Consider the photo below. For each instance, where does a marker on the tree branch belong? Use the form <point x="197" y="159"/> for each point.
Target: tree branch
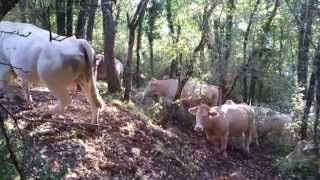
<point x="12" y="155"/>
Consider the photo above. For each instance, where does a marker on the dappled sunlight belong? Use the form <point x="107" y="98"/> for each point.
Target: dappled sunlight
<point x="128" y="129"/>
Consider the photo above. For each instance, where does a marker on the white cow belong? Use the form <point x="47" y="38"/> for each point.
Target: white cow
<point x="56" y="64"/>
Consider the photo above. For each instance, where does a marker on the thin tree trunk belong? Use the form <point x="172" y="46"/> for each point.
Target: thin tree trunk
<point x="310" y="97"/>
<point x="132" y="25"/>
<point x="175" y="34"/>
<point x="304" y="34"/>
<point x="246" y="37"/>
<point x="91" y="18"/>
<point x="227" y="47"/>
<point x="262" y="44"/>
<point x="23" y="7"/>
<point x="138" y="47"/>
<point x="153" y="12"/>
<point x="127" y="70"/>
<point x="109" y="40"/>
<point x="69" y="25"/>
<point x="150" y="40"/>
<point x="61" y="17"/>
<point x="281" y="49"/>
<point x="80" y="32"/>
<point x="317" y="104"/>
<point x="31" y="8"/>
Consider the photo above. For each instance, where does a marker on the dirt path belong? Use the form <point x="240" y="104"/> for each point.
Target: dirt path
<point x="126" y="148"/>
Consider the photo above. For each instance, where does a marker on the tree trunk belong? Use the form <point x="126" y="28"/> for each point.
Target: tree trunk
<point x="80" y="32"/>
<point x="245" y="41"/>
<point x="310" y="97"/>
<point x="23" y="7"/>
<point x="138" y="47"/>
<point x="91" y="18"/>
<point x="317" y="107"/>
<point x="153" y="12"/>
<point x="218" y="46"/>
<point x="150" y="40"/>
<point x="127" y="70"/>
<point x="61" y="17"/>
<point x="260" y="51"/>
<point x="109" y="39"/>
<point x="316" y="122"/>
<point x="304" y="34"/>
<point x="222" y="73"/>
<point x="132" y="25"/>
<point x="6" y="6"/>
<point x="69" y="25"/>
<point x="175" y="31"/>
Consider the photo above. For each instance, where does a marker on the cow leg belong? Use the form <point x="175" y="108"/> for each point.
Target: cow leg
<point x="243" y="141"/>
<point x="248" y="141"/>
<point x="93" y="98"/>
<point x="27" y="94"/>
<point x="224" y="142"/>
<point x="215" y="142"/>
<point x="61" y="93"/>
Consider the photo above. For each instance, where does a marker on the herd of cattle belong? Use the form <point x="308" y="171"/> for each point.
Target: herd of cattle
<point x="219" y="122"/>
<point x="27" y="53"/>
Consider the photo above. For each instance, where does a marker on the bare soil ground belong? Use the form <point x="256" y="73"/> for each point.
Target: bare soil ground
<point x="126" y="147"/>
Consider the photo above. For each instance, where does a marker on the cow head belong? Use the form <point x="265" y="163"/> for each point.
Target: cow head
<point x="151" y="88"/>
<point x="202" y="113"/>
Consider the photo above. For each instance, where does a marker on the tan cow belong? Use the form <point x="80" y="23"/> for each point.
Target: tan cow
<point x="101" y="71"/>
<point x="220" y="122"/>
<point x="166" y="89"/>
<point x="192" y="93"/>
<point x="195" y="91"/>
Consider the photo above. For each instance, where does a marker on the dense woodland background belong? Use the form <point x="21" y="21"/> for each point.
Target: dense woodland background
<point x="262" y="52"/>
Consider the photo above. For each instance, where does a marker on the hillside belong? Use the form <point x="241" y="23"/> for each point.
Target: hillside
<point x="126" y="146"/>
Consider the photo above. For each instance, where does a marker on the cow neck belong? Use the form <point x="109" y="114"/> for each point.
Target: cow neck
<point x="213" y="125"/>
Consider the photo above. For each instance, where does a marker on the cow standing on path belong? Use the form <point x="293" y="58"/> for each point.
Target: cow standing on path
<point x="56" y="64"/>
<point x="221" y="122"/>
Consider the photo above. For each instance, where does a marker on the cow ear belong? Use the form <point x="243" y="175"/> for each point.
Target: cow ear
<point x="193" y="110"/>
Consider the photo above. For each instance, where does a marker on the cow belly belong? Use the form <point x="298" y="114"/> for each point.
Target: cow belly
<point x="238" y="127"/>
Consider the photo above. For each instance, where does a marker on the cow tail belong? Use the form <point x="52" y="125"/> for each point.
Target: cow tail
<point x="90" y="74"/>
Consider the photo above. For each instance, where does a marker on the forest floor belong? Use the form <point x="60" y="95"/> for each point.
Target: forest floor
<point x="126" y="147"/>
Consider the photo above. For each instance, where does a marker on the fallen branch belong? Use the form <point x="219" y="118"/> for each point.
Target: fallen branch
<point x="12" y="155"/>
<point x="13" y="117"/>
<point x="64" y="123"/>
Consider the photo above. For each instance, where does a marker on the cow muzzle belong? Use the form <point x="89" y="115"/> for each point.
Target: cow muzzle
<point x="198" y="128"/>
